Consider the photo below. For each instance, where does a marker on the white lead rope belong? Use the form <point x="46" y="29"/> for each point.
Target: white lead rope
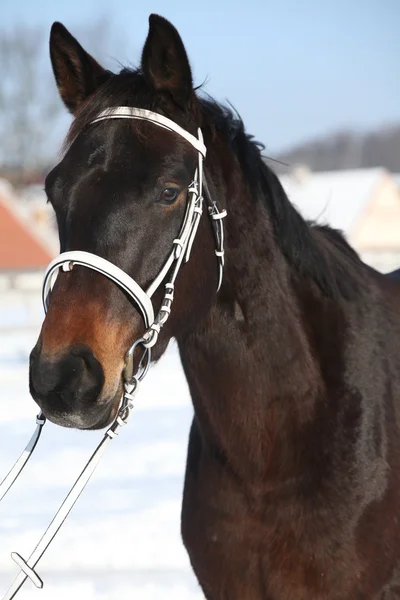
<point x="13" y="474"/>
<point x="28" y="566"/>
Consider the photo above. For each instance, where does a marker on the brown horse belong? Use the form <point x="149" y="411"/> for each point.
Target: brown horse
<point x="292" y="488"/>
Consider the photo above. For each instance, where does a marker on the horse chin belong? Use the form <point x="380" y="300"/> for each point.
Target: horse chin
<point x="77" y="420"/>
<point x="106" y="419"/>
<point x="98" y="417"/>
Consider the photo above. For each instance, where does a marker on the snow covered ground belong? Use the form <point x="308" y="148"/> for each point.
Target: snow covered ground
<point x="122" y="538"/>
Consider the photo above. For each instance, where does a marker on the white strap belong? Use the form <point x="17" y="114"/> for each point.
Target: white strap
<point x="28" y="566"/>
<point x="158" y="280"/>
<point x="12" y="475"/>
<point x="128" y="112"/>
<point x="23" y="565"/>
<point x="106" y="268"/>
<point x="199" y="207"/>
<point x="179" y="242"/>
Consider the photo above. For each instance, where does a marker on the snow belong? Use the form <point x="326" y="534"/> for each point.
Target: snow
<point x="122" y="538"/>
<point x="337" y="198"/>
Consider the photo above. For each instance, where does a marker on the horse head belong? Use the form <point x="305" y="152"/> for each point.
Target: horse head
<point x="120" y="193"/>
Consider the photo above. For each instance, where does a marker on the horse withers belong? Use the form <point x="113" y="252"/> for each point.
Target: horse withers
<point x="292" y="486"/>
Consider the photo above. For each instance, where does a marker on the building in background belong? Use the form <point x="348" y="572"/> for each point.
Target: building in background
<point x="363" y="203"/>
<point x="28" y="243"/>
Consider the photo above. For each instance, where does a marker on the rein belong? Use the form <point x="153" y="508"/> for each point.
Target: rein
<point x="66" y="261"/>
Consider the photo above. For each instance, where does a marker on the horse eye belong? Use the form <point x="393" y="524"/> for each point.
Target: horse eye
<point x="168" y="195"/>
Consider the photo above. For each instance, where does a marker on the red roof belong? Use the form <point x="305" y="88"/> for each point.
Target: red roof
<point x="19" y="248"/>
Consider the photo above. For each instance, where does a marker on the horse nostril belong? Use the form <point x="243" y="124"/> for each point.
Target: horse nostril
<point x="91" y="370"/>
<point x="67" y="381"/>
<point x="90" y="362"/>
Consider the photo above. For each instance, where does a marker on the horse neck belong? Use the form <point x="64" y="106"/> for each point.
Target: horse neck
<point x="248" y="363"/>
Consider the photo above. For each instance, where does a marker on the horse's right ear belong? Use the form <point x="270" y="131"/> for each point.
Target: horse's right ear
<point x="77" y="73"/>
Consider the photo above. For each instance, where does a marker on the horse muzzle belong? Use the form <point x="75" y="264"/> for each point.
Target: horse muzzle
<point x="68" y="387"/>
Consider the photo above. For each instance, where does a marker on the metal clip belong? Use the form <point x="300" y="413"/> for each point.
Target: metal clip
<point x="128" y="369"/>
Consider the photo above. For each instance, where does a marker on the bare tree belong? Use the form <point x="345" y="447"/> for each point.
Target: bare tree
<point x="32" y="117"/>
<point x="26" y="107"/>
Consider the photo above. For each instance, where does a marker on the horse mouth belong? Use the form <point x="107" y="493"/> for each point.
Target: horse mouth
<point x="104" y="421"/>
<point x="111" y="412"/>
<point x="111" y="409"/>
<point x="98" y="416"/>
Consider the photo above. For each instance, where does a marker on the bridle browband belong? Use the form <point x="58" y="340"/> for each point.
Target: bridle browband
<point x="142" y="300"/>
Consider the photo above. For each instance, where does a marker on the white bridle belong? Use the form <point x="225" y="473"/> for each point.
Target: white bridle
<point x="142" y="299"/>
<point x="182" y="245"/>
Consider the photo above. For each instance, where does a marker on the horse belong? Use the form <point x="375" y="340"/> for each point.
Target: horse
<point x="292" y="482"/>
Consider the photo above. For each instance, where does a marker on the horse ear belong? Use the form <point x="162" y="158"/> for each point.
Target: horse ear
<point x="165" y="64"/>
<point x="77" y="74"/>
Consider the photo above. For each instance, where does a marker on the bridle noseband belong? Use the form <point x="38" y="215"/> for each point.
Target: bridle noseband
<point x="142" y="300"/>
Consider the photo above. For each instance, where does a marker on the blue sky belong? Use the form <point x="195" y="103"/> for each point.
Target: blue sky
<point x="294" y="69"/>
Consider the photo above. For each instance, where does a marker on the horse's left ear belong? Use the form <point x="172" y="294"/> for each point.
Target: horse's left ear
<point x="165" y="64"/>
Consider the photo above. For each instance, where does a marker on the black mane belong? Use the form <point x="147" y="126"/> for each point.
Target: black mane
<point x="314" y="251"/>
